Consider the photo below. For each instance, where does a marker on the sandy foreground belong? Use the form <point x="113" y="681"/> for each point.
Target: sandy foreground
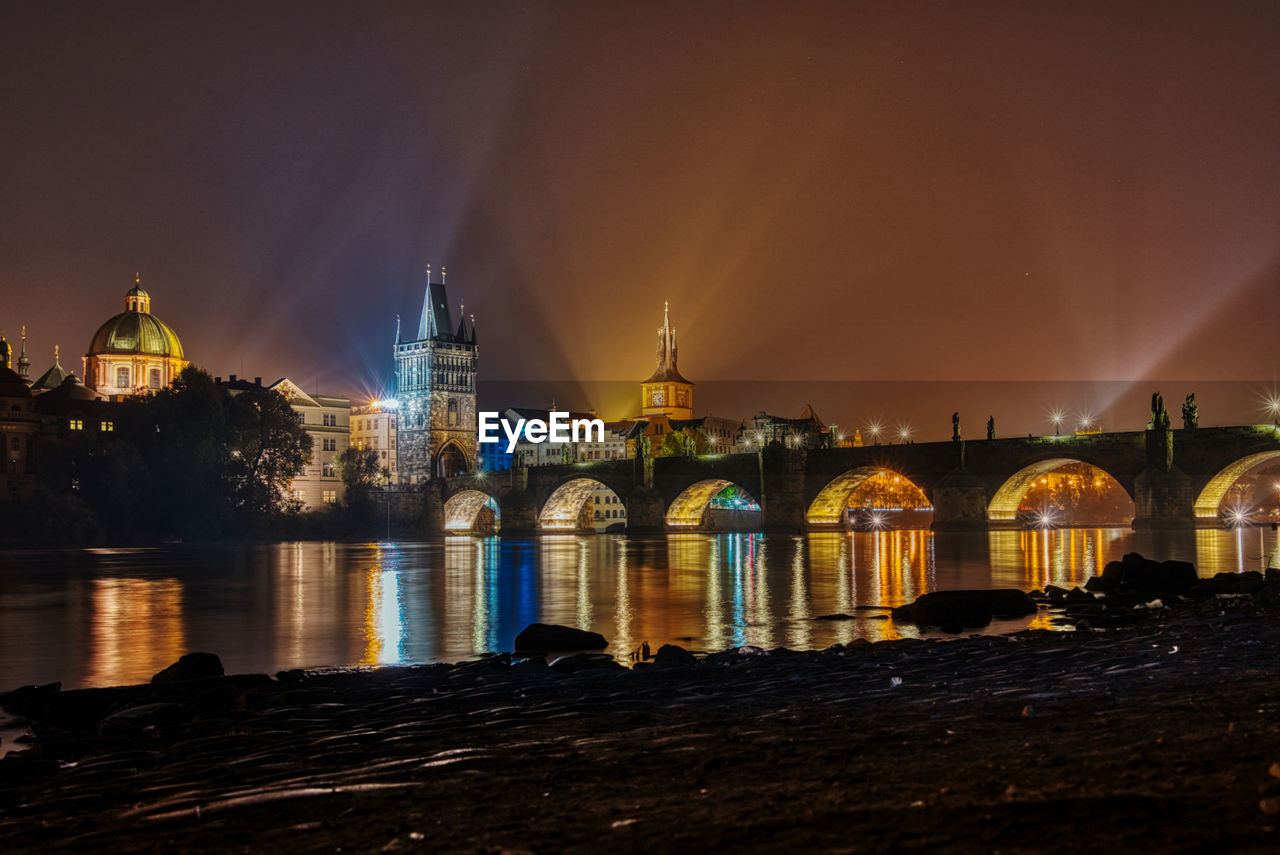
<point x="1157" y="733"/>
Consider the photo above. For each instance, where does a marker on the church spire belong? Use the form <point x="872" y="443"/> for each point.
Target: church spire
<point x="24" y="364"/>
<point x="397" y="328"/>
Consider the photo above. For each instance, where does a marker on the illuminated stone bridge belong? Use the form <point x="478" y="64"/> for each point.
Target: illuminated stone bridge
<point x="1176" y="479"/>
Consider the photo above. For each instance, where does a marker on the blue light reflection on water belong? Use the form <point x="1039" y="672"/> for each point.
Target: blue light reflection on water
<point x="110" y="616"/>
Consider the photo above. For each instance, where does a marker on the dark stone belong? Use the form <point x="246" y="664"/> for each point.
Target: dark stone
<point x="672" y="655"/>
<point x="965" y="608"/>
<point x="836" y="616"/>
<point x="1248" y="582"/>
<point x="193" y="666"/>
<point x="135" y="720"/>
<point x="586" y="662"/>
<point x="30" y="701"/>
<point x="1054" y="593"/>
<point x="550" y="636"/>
<point x="1135" y="574"/>
<point x="1075" y="595"/>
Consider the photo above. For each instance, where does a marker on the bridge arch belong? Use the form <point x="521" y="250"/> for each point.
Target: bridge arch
<point x="1004" y="504"/>
<point x="1210" y="498"/>
<point x="688" y="509"/>
<point x="570" y="506"/>
<point x="828" y="508"/>
<point x="466" y="511"/>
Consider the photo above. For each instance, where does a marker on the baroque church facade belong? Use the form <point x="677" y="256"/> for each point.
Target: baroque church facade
<point x="436" y="392"/>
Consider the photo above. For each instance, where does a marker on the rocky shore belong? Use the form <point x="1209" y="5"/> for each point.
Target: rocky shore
<point x="1156" y="728"/>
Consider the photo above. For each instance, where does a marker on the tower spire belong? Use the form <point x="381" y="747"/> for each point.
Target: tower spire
<point x="425" y="330"/>
<point x="24" y="364"/>
<point x="397" y="328"/>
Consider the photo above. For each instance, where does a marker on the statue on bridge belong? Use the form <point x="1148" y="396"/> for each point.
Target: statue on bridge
<point x="1190" y="412"/>
<point x="1159" y="415"/>
<point x="991" y="427"/>
<point x="955" y="426"/>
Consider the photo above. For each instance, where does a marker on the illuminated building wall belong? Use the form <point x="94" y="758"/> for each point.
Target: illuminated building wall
<point x="374" y="426"/>
<point x="325" y="418"/>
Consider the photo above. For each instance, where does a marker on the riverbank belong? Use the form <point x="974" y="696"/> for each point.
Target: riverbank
<point x="1158" y="735"/>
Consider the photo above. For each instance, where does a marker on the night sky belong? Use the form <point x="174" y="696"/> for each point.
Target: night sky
<point x="848" y="191"/>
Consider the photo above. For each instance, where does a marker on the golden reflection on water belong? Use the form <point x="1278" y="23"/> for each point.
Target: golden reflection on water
<point x="137" y="629"/>
<point x="309" y="604"/>
<point x="383" y="622"/>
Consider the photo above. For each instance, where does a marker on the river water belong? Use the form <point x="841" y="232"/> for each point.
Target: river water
<point x="103" y="617"/>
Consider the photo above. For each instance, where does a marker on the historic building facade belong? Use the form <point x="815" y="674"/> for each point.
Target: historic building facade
<point x="436" y="393"/>
<point x="325" y="419"/>
<point x="134" y="353"/>
<point x="374" y="426"/>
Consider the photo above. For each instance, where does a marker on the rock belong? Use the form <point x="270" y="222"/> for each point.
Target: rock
<point x="586" y="662"/>
<point x="550" y="636"/>
<point x="1135" y="574"/>
<point x="672" y="655"/>
<point x="1075" y="595"/>
<point x="965" y="608"/>
<point x="836" y="616"/>
<point x="193" y="666"/>
<point x="1248" y="583"/>
<point x="135" y="720"/>
<point x="30" y="701"/>
<point x="1084" y="626"/>
<point x="1054" y="593"/>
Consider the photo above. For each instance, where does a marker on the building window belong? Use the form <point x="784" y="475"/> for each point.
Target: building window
<point x="327" y="471"/>
<point x="122" y="377"/>
<point x="453" y="412"/>
<point x="153" y="378"/>
<point x="106" y="427"/>
<point x="330" y="445"/>
<point x="76" y="424"/>
<point x="330" y="496"/>
<point x="15" y="445"/>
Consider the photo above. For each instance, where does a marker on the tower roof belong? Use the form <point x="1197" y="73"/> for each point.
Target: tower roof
<point x="436" y="322"/>
<point x="666" y="370"/>
<point x="52" y="378"/>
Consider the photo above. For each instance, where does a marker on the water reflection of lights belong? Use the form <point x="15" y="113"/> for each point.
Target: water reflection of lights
<point x="137" y="629"/>
<point x="800" y="635"/>
<point x="384" y="625"/>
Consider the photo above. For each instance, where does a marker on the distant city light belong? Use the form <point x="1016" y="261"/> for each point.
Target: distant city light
<point x="874" y="429"/>
<point x="904" y="432"/>
<point x="385" y="404"/>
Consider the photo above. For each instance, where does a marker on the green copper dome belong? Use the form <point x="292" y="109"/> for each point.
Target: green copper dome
<point x="136" y="331"/>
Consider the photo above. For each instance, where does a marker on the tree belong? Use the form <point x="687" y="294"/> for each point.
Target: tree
<point x="269" y="449"/>
<point x="361" y="470"/>
<point x="678" y="444"/>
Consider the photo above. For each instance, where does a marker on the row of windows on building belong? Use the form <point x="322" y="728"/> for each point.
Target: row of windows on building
<point x="611" y="514"/>
<point x="78" y="424"/>
<point x="124" y="378"/>
<point x="610" y="499"/>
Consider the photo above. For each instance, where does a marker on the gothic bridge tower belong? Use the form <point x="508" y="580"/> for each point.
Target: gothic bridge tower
<point x="436" y="391"/>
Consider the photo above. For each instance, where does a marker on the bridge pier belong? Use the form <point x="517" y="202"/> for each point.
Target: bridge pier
<point x="782" y="499"/>
<point x="960" y="503"/>
<point x="519" y="513"/>
<point x="646" y="511"/>
<point x="1163" y="500"/>
<point x="433" y="500"/>
<point x="1162" y="493"/>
